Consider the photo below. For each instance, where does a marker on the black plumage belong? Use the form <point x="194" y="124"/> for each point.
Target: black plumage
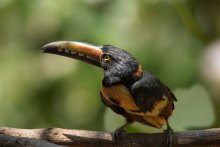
<point x="149" y="89"/>
<point x="135" y="94"/>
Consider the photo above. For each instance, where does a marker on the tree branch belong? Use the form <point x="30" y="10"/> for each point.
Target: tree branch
<point x="53" y="137"/>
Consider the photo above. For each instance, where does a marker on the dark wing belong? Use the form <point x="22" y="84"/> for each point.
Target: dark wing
<point x="148" y="91"/>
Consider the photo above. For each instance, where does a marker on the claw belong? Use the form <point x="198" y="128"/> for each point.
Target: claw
<point x="117" y="134"/>
<point x="169" y="135"/>
<point x="119" y="131"/>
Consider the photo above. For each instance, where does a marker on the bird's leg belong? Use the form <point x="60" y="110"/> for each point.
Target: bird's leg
<point x="119" y="131"/>
<point x="169" y="135"/>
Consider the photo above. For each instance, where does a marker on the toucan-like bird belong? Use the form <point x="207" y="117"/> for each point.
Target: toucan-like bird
<point x="135" y="94"/>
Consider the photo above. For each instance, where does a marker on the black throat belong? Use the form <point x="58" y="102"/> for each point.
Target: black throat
<point x="120" y="76"/>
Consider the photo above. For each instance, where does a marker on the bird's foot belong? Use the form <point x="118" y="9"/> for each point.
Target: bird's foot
<point x="118" y="132"/>
<point x="169" y="136"/>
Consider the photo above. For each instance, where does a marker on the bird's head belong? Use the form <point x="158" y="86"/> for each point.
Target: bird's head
<point x="114" y="61"/>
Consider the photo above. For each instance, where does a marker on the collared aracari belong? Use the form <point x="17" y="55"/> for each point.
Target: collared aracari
<point x="135" y="94"/>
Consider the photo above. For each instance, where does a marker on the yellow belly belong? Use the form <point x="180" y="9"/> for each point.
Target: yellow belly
<point x="119" y="95"/>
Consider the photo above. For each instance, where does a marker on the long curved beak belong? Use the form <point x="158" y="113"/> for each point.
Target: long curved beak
<point x="76" y="50"/>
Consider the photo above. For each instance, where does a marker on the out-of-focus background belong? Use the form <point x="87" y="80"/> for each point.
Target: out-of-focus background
<point x="175" y="40"/>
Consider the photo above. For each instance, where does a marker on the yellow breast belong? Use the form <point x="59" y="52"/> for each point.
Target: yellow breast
<point x="119" y="95"/>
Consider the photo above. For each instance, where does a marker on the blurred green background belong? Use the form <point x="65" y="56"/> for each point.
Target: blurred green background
<point x="175" y="40"/>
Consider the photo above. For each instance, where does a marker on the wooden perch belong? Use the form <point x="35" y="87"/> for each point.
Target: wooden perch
<point x="53" y="137"/>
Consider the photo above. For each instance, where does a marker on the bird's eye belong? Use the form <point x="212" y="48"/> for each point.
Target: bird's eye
<point x="106" y="58"/>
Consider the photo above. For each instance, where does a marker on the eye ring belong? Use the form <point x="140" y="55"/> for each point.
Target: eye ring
<point x="106" y="58"/>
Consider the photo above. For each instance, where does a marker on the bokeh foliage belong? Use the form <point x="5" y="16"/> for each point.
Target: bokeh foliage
<point x="40" y="90"/>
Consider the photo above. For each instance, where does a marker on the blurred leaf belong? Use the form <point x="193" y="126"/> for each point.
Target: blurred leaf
<point x="4" y="3"/>
<point x="193" y="109"/>
<point x="112" y="120"/>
